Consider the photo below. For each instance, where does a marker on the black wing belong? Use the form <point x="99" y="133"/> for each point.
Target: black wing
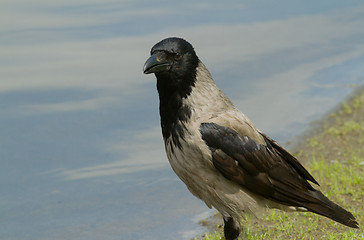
<point x="257" y="167"/>
<point x="268" y="170"/>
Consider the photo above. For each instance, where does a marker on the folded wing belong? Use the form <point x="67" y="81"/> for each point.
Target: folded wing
<point x="269" y="171"/>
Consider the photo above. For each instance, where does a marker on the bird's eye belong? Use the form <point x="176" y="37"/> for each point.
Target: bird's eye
<point x="177" y="56"/>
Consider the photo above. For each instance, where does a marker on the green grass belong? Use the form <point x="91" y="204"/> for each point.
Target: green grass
<point x="334" y="155"/>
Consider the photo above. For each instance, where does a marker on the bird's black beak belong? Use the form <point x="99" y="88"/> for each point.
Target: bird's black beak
<point x="156" y="63"/>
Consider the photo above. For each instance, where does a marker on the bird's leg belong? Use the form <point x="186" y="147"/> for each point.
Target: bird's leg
<point x="232" y="228"/>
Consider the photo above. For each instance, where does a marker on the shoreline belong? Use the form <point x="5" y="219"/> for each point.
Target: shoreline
<point x="305" y="146"/>
<point x="318" y="124"/>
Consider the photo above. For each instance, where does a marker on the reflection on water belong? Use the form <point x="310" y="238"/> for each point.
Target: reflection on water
<point x="81" y="150"/>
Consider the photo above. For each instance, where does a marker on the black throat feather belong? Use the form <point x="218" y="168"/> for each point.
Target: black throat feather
<point x="174" y="114"/>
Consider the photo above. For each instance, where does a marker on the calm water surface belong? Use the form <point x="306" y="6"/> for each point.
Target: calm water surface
<point x="81" y="153"/>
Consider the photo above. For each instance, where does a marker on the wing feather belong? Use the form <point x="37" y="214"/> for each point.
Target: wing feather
<point x="269" y="171"/>
<point x="257" y="167"/>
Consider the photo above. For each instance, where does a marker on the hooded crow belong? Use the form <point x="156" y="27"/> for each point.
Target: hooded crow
<point x="218" y="152"/>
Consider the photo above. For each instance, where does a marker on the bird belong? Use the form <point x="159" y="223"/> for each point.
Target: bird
<point x="218" y="153"/>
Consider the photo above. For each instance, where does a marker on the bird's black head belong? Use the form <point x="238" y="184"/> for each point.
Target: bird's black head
<point x="173" y="60"/>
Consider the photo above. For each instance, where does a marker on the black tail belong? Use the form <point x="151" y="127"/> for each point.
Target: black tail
<point x="331" y="210"/>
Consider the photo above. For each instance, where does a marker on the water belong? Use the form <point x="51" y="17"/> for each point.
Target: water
<point x="81" y="152"/>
